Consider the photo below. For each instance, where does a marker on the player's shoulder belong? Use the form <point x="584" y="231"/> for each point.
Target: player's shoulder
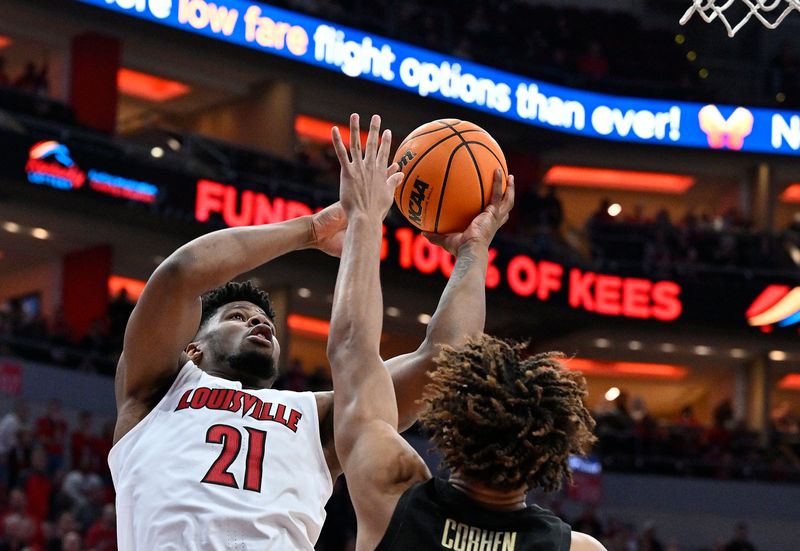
<point x="585" y="542"/>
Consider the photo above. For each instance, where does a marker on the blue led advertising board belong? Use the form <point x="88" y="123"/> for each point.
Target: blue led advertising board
<point x="431" y="74"/>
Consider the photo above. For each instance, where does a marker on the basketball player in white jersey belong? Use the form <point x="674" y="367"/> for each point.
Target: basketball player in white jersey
<point x="207" y="455"/>
<point x="504" y="423"/>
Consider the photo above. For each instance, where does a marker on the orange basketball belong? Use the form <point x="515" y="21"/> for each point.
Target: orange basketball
<point x="449" y="168"/>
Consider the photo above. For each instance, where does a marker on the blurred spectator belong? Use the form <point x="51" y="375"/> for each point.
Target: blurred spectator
<point x="71" y="542"/>
<point x="784" y="421"/>
<point x="66" y="523"/>
<point x="102" y="535"/>
<point x="78" y="487"/>
<point x="4" y="79"/>
<point x="648" y="540"/>
<point x="294" y="378"/>
<point x="784" y="72"/>
<point x="119" y="310"/>
<point x="740" y="541"/>
<point x="38" y="485"/>
<point x="19" y="527"/>
<point x="592" y="62"/>
<point x="33" y="80"/>
<point x="320" y="380"/>
<point x="687" y="418"/>
<point x="51" y="429"/>
<point x="11" y="425"/>
<point x="82" y="438"/>
<point x="588" y="523"/>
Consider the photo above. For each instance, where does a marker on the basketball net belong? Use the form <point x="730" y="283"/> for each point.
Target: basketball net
<point x="771" y="13"/>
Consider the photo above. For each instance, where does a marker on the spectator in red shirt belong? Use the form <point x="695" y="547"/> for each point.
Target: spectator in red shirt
<point x="52" y="430"/>
<point x="101" y="445"/>
<point x="38" y="486"/>
<point x="66" y="523"/>
<point x="82" y="439"/>
<point x="102" y="535"/>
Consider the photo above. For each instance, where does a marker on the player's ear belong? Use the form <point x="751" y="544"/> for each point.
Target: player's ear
<point x="194" y="352"/>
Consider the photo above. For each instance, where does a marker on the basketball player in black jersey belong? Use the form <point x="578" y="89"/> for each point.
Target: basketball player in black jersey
<point x="504" y="424"/>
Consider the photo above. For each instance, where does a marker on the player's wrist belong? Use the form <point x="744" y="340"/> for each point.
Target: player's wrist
<point x="365" y="218"/>
<point x="473" y="246"/>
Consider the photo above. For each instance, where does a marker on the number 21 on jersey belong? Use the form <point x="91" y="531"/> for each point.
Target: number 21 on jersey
<point x="231" y="440"/>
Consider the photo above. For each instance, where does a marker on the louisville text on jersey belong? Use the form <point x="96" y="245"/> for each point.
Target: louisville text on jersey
<point x="237" y="401"/>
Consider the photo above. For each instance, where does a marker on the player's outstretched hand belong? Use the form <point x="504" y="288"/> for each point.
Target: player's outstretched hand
<point x="366" y="185"/>
<point x="483" y="227"/>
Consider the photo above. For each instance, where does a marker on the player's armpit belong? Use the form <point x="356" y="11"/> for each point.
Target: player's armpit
<point x="585" y="542"/>
<point x="381" y="466"/>
<point x="326" y="435"/>
<point x="164" y="320"/>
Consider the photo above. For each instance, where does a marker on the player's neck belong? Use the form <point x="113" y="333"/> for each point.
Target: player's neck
<point x="502" y="500"/>
<point x="248" y="381"/>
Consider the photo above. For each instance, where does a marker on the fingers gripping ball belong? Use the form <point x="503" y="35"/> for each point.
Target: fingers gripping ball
<point x="448" y="167"/>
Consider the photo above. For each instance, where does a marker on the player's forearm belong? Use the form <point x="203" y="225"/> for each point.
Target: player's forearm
<point x="461" y="311"/>
<point x="356" y="317"/>
<point x="362" y="386"/>
<point x="217" y="257"/>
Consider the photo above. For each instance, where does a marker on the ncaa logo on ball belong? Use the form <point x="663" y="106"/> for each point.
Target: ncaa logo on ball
<point x="418" y="201"/>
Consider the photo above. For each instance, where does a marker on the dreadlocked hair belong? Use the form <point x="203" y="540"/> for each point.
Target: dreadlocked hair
<point x="232" y="292"/>
<point x="506" y="421"/>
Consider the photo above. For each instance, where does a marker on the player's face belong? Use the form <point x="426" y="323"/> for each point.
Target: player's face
<point x="242" y="337"/>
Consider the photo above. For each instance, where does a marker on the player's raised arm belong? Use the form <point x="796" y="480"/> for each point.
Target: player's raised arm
<point x="167" y="314"/>
<point x="462" y="308"/>
<point x="375" y="459"/>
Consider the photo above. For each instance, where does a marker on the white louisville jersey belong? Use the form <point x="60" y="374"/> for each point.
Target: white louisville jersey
<point x="217" y="467"/>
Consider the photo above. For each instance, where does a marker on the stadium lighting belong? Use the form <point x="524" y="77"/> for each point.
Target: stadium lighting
<point x="702" y="350"/>
<point x="149" y="87"/>
<point x="738" y="353"/>
<point x="117" y="283"/>
<point x="626" y="369"/>
<point x="304" y="292"/>
<point x="424" y="319"/>
<point x="791" y="194"/>
<point x="157" y="152"/>
<point x="612" y="394"/>
<point x="777" y="355"/>
<point x="614" y="209"/>
<point x="318" y="130"/>
<point x="308" y="325"/>
<point x="602" y="343"/>
<point x="40" y="233"/>
<point x="11" y="227"/>
<point x="667" y="347"/>
<point x="790" y="382"/>
<point x="392" y="312"/>
<point x="606" y="178"/>
<point x="635" y="345"/>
